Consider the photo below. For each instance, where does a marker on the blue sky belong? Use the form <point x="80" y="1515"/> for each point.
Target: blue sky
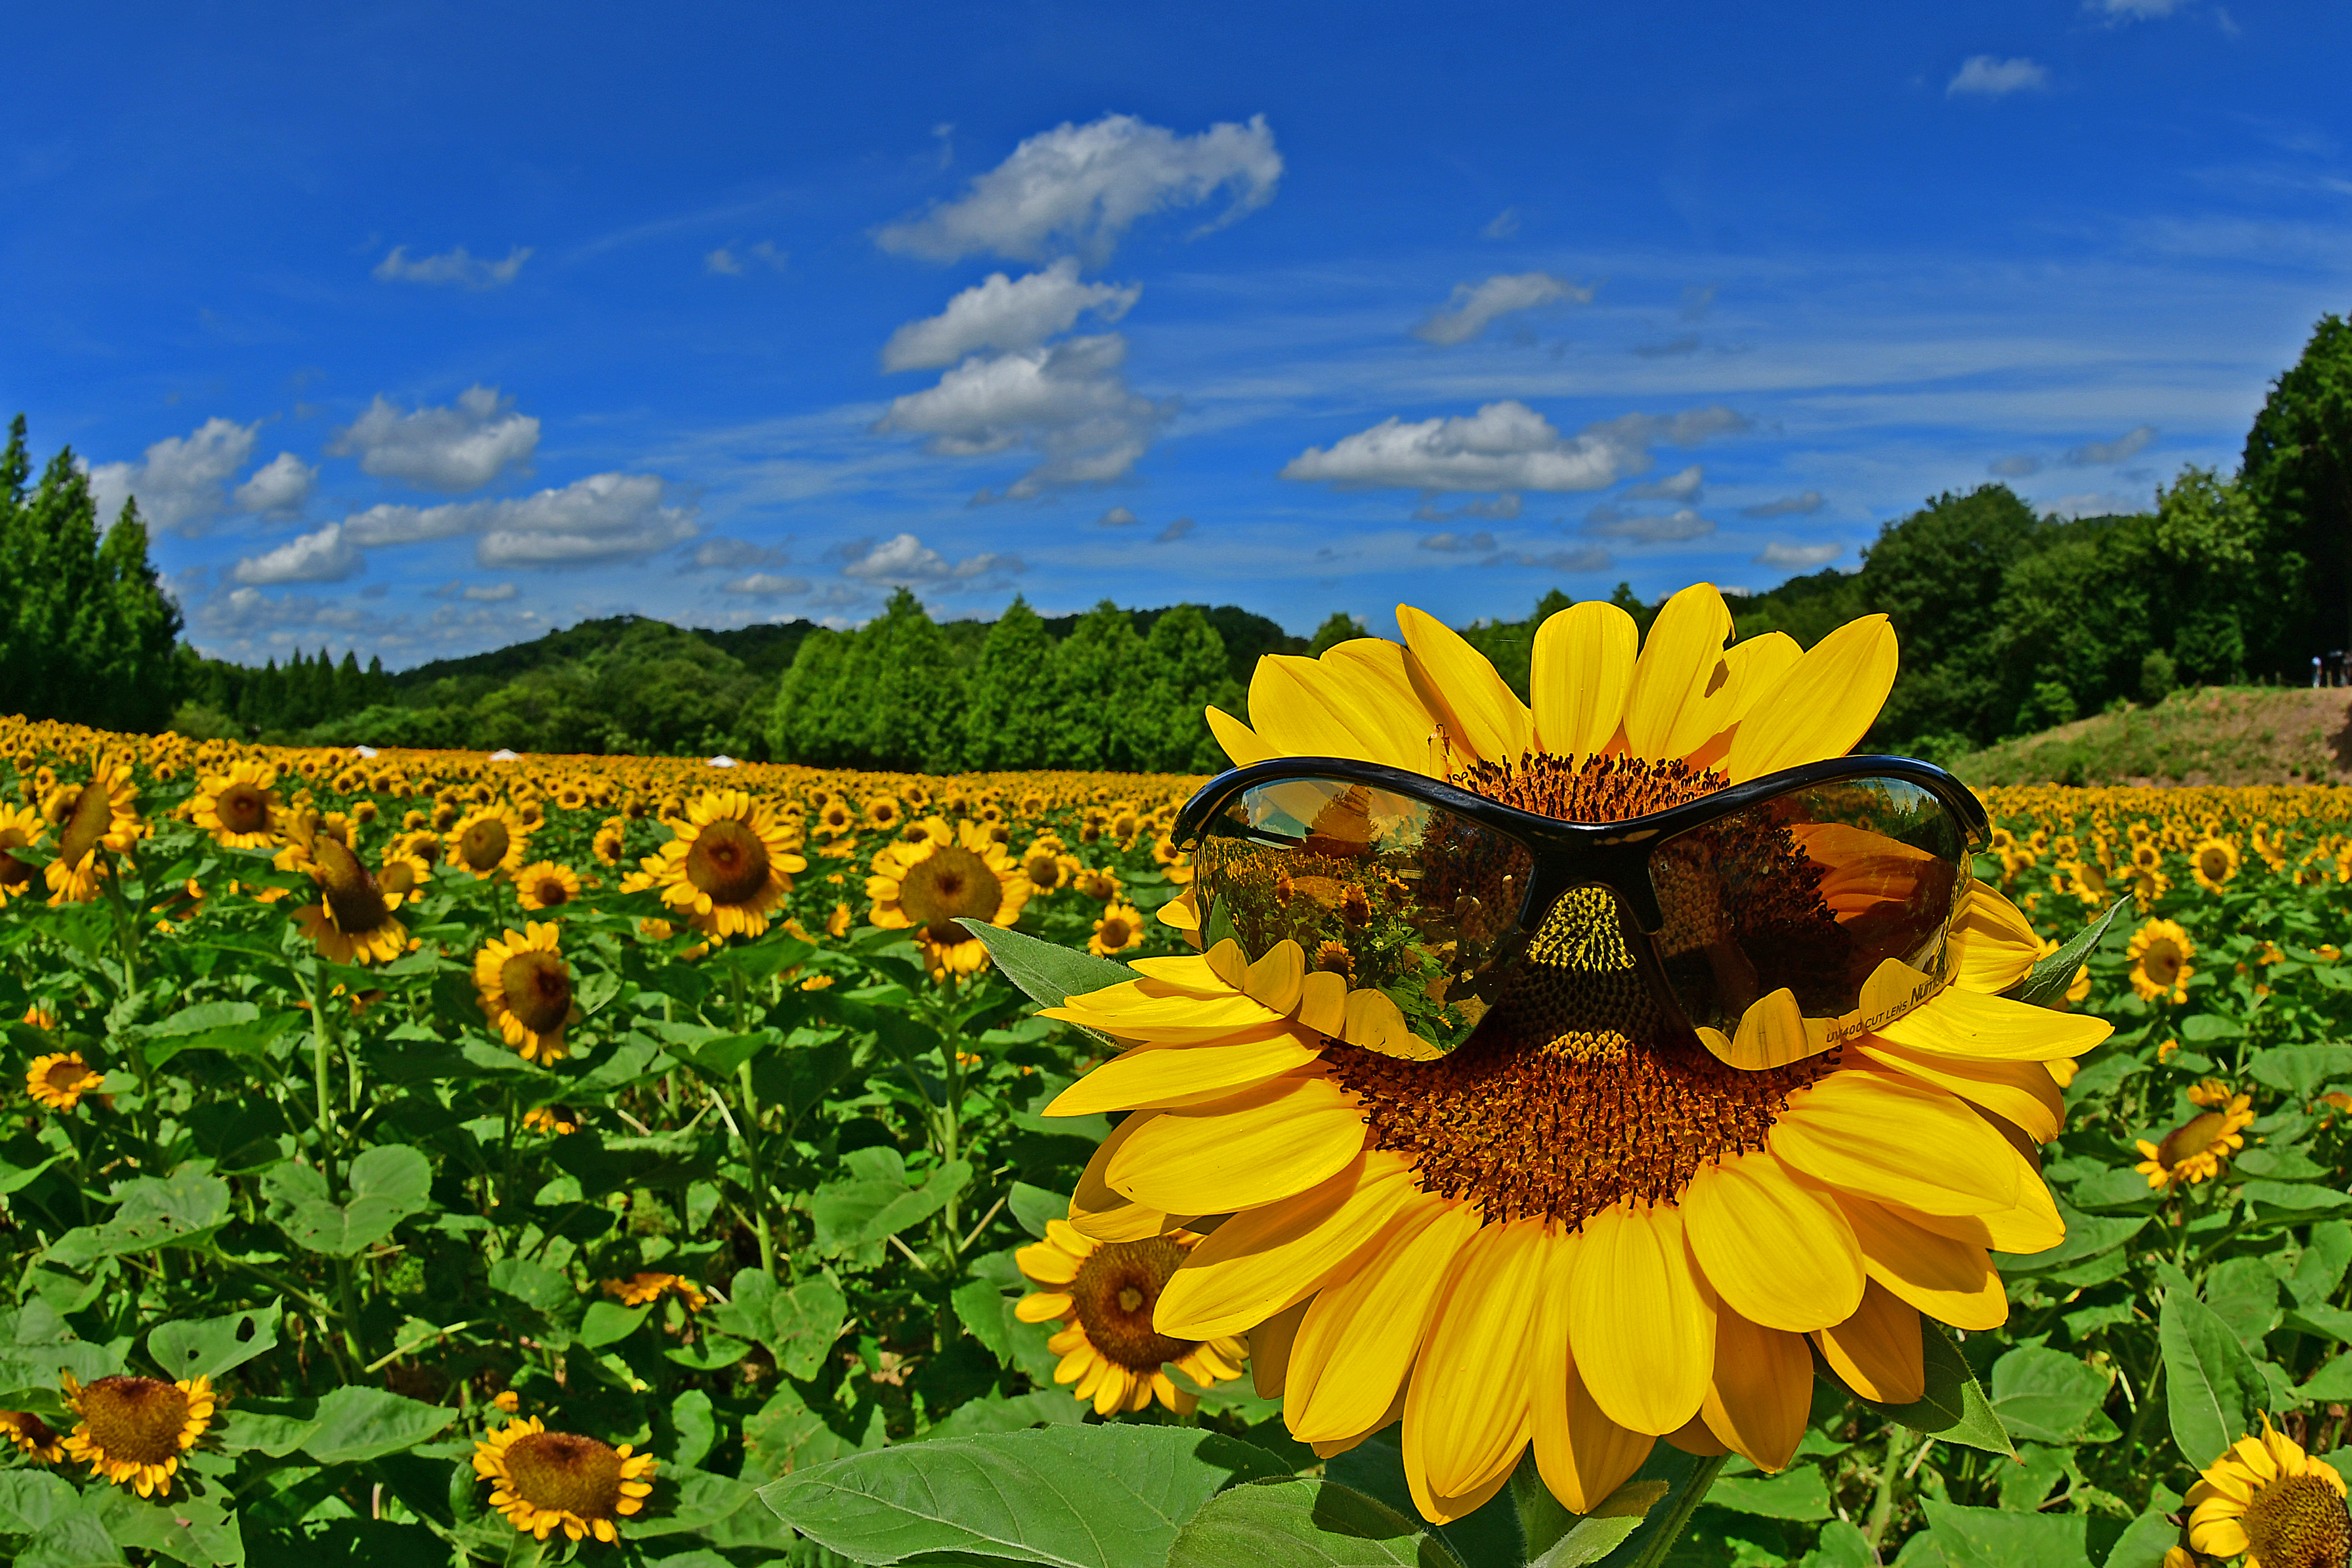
<point x="421" y="329"/>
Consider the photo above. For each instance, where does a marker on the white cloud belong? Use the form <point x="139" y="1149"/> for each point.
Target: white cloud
<point x="278" y="487"/>
<point x="905" y="561"/>
<point x="327" y="556"/>
<point x="1786" y="506"/>
<point x="765" y="585"/>
<point x="2123" y="449"/>
<point x="1505" y="445"/>
<point x="1475" y="306"/>
<point x="454" y="267"/>
<point x="1080" y="187"/>
<point x="448" y="449"/>
<point x="1070" y="403"/>
<point x="1117" y="517"/>
<point x="733" y="554"/>
<point x="1504" y="225"/>
<point x="178" y="483"/>
<point x="1682" y="486"/>
<point x="1005" y="314"/>
<point x="1456" y="544"/>
<point x="1985" y="76"/>
<point x="492" y="593"/>
<point x="1673" y="528"/>
<point x="1799" y="557"/>
<point x="1180" y="529"/>
<point x="2135" y="10"/>
<point x="728" y="262"/>
<point x="605" y="516"/>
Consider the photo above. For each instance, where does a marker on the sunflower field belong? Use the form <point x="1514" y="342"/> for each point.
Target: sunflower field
<point x="423" y="1157"/>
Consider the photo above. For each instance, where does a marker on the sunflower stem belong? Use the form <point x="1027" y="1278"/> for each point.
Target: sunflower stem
<point x="322" y="1050"/>
<point x="1890" y="1470"/>
<point x="1542" y="1518"/>
<point x="1679" y="1507"/>
<point x="749" y="1132"/>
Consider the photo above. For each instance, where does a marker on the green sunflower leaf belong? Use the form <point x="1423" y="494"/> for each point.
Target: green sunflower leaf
<point x="1048" y="971"/>
<point x="210" y="1346"/>
<point x="1954" y="1406"/>
<point x="2214" y="1390"/>
<point x="1304" y="1524"/>
<point x="2045" y="986"/>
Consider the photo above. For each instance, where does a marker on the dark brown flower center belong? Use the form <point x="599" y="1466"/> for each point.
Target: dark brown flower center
<point x="1044" y="871"/>
<point x="1116" y="931"/>
<point x="1114" y="1294"/>
<point x="484" y="844"/>
<point x="67" y="1076"/>
<point x="29" y="1427"/>
<point x="352" y="895"/>
<point x="137" y="1419"/>
<point x="548" y="891"/>
<point x="561" y="1470"/>
<point x="953" y="882"/>
<point x="727" y="861"/>
<point x="242" y="808"/>
<point x="1572" y="1093"/>
<point x="537" y="988"/>
<point x="2298" y="1521"/>
<point x="2162" y="961"/>
<point x="14" y="873"/>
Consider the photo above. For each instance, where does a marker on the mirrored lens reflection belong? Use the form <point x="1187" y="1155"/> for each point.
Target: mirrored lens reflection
<point x="1398" y="895"/>
<point x="1811" y="890"/>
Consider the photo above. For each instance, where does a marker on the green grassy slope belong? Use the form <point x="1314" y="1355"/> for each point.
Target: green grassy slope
<point x="2216" y="735"/>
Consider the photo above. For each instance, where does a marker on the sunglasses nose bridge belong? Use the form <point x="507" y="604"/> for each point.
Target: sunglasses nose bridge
<point x="1626" y="874"/>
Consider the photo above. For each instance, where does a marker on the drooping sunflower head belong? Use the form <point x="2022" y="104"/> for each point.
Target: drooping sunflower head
<point x="544" y="1481"/>
<point x="2159" y="955"/>
<point x="98" y="818"/>
<point x="32" y="1437"/>
<point x="927" y="886"/>
<point x="525" y="987"/>
<point x="727" y="866"/>
<point x="2194" y="1151"/>
<point x="133" y="1430"/>
<point x="2269" y="1500"/>
<point x="352" y="921"/>
<point x="1104" y="1293"/>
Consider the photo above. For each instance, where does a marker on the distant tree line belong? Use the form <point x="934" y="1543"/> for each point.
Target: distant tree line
<point x="85" y="631"/>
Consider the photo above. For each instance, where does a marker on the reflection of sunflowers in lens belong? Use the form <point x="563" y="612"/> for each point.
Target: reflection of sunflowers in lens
<point x="352" y="921"/>
<point x="729" y="865"/>
<point x="2159" y="955"/>
<point x="1120" y="928"/>
<point x="2213" y="862"/>
<point x="33" y="1437"/>
<point x="1580" y="1230"/>
<point x="545" y="885"/>
<point x="950" y="874"/>
<point x="21" y="828"/>
<point x="2194" y="1151"/>
<point x="133" y="1430"/>
<point x="1104" y="1294"/>
<point x="59" y="1080"/>
<point x="240" y="807"/>
<point x="2267" y="1498"/>
<point x="526" y="990"/>
<point x="548" y="1480"/>
<point x="489" y="841"/>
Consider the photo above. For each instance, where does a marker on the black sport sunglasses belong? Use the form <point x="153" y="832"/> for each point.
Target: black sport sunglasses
<point x="1806" y="880"/>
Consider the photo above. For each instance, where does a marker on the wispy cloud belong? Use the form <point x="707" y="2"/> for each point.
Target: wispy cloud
<point x="1985" y="76"/>
<point x="458" y="268"/>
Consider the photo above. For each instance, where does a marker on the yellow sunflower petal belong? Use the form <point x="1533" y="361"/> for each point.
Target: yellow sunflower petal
<point x="1747" y="1218"/>
<point x="1457" y="684"/>
<point x="1681" y="693"/>
<point x="1240" y="741"/>
<point x="1994" y="945"/>
<point x="1370" y="673"/>
<point x="1952" y="1281"/>
<point x="1256" y="1147"/>
<point x="1359" y="1337"/>
<point x="1878" y="1352"/>
<point x="1269" y="1350"/>
<point x="1047" y="1264"/>
<point x="2021" y="1092"/>
<point x="1159" y="1074"/>
<point x="1580" y="675"/>
<point x="1867" y="1132"/>
<point x="1043" y="1307"/>
<point x="1822" y="704"/>
<point x="1959" y="1023"/>
<point x="1582" y="1454"/>
<point x="1101" y="1214"/>
<point x="2219" y="1538"/>
<point x="1761" y="1393"/>
<point x="1467" y="1410"/>
<point x="1263" y="1259"/>
<point x="1640" y="1319"/>
<point x="1131" y="1012"/>
<point x="1757" y="664"/>
<point x="1300" y="712"/>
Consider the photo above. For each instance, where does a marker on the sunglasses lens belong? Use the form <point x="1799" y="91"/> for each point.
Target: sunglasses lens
<point x="1811" y="890"/>
<point x="1399" y="896"/>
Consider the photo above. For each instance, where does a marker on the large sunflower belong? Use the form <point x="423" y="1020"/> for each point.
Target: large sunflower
<point x="133" y="1430"/>
<point x="2267" y="1497"/>
<point x="352" y="921"/>
<point x="21" y="828"/>
<point x="728" y="865"/>
<point x="1575" y="1231"/>
<point x="943" y="876"/>
<point x="1104" y="1293"/>
<point x="489" y="841"/>
<point x="545" y="1480"/>
<point x="525" y="987"/>
<point x="240" y="809"/>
